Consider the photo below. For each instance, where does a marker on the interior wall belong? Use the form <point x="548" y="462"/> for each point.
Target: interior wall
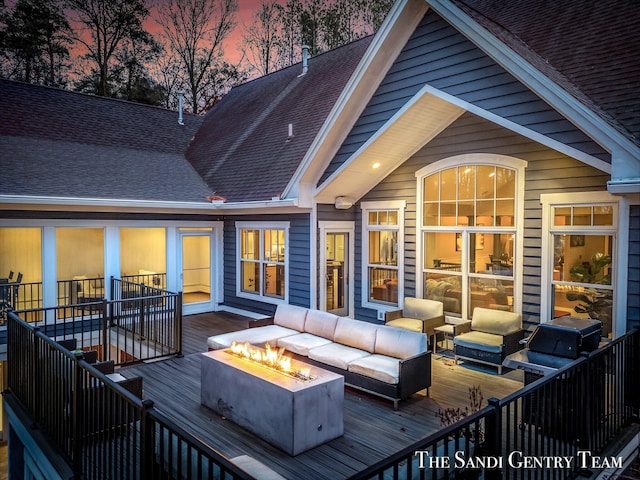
<point x="21" y="251"/>
<point x="143" y="249"/>
<point x="79" y="251"/>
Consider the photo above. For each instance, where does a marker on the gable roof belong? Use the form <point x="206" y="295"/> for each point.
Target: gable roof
<point x="594" y="89"/>
<point x="243" y="149"/>
<point x="589" y="48"/>
<point x="66" y="145"/>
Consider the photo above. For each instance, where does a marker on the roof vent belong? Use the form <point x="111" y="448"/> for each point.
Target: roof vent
<point x="305" y="59"/>
<point x="180" y="97"/>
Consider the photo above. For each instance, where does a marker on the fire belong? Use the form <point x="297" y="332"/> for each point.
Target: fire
<point x="271" y="357"/>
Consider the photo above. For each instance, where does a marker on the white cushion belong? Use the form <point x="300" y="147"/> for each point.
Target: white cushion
<point x="356" y="334"/>
<point x="399" y="343"/>
<point x="258" y="336"/>
<point x="322" y="324"/>
<point x="302" y="343"/>
<point x="497" y="322"/>
<point x="407" y="323"/>
<point x="380" y="367"/>
<point x="290" y="316"/>
<point x="336" y="354"/>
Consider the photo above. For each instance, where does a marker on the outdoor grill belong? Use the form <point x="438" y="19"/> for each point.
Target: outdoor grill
<point x="551" y="346"/>
<point x="554" y="344"/>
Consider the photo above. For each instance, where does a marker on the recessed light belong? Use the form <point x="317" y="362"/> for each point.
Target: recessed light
<point x="375" y="165"/>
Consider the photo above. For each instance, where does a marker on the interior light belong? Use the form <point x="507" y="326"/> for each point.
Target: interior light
<point x="375" y="165"/>
<point x="492" y="174"/>
<point x="467" y="170"/>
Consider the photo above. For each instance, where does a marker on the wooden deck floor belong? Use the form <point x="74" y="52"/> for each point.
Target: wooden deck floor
<point x="373" y="430"/>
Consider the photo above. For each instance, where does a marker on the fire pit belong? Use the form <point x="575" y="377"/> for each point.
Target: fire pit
<point x="295" y="408"/>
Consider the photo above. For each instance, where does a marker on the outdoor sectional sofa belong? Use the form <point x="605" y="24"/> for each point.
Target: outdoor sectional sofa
<point x="390" y="362"/>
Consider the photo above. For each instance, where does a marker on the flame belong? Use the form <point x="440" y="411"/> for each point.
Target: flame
<point x="271" y="357"/>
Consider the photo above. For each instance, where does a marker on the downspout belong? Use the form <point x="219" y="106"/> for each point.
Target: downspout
<point x="180" y="100"/>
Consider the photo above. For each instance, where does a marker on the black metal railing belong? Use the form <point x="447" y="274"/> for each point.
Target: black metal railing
<point x="140" y="323"/>
<point x="100" y="428"/>
<point x="580" y="408"/>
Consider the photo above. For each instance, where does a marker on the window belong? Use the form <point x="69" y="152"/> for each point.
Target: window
<point x="383" y="247"/>
<point x="580" y="259"/>
<point x="263" y="260"/>
<point x="468" y="238"/>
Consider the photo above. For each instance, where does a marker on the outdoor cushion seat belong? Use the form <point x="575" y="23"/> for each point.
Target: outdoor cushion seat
<point x="337" y="355"/>
<point x="417" y="315"/>
<point x="381" y="367"/>
<point x="302" y="343"/>
<point x="481" y="341"/>
<point x="258" y="336"/>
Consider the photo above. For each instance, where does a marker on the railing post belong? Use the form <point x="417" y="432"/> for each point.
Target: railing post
<point x="147" y="440"/>
<point x="493" y="438"/>
<point x="106" y="351"/>
<point x="76" y="420"/>
<point x="35" y="391"/>
<point x="178" y="323"/>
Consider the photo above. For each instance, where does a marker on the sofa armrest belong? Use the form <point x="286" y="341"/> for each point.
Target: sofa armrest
<point x="262" y="322"/>
<point x="392" y="315"/>
<point x="511" y="342"/>
<point x="414" y="374"/>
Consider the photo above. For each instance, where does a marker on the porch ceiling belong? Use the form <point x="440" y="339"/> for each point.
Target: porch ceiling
<point x="412" y="127"/>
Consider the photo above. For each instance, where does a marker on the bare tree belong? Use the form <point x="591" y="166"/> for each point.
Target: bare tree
<point x="106" y="24"/>
<point x="195" y="30"/>
<point x="262" y="38"/>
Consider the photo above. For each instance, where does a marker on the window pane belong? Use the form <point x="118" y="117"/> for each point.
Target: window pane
<point x="251" y="244"/>
<point x="274" y="280"/>
<point x="383" y="285"/>
<point x="505" y="183"/>
<point x="21" y="255"/>
<point x="373" y="218"/>
<point x="583" y="258"/>
<point x="250" y="280"/>
<point x="466" y="182"/>
<point x="484" y="213"/>
<point x="430" y="214"/>
<point x="496" y="294"/>
<point x="486" y="176"/>
<point x="445" y="288"/>
<point x="432" y="188"/>
<point x="443" y="251"/>
<point x="274" y="245"/>
<point x="579" y="301"/>
<point x="393" y="217"/>
<point x="466" y="212"/>
<point x="505" y="213"/>
<point x="383" y="218"/>
<point x="143" y="251"/>
<point x="448" y="185"/>
<point x="603" y="215"/>
<point x="581" y="215"/>
<point x="448" y="214"/>
<point x="383" y="248"/>
<point x="561" y="216"/>
<point x="493" y="254"/>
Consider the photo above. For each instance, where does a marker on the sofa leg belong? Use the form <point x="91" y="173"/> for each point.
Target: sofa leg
<point x="395" y="404"/>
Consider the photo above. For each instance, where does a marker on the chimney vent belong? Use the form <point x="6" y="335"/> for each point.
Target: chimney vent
<point x="305" y="59"/>
<point x="180" y="98"/>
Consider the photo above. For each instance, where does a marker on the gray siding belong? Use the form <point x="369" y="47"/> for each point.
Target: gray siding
<point x="548" y="172"/>
<point x="438" y="55"/>
<point x="633" y="298"/>
<point x="299" y="262"/>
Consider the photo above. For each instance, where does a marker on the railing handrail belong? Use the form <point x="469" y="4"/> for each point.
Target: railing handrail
<point x="146" y="412"/>
<point x="391" y="466"/>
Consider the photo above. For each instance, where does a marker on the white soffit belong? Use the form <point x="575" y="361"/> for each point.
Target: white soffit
<point x="424" y="117"/>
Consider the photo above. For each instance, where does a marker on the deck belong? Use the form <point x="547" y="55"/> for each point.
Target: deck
<point x="373" y="430"/>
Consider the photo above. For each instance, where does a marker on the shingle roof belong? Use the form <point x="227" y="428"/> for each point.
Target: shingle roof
<point x="243" y="150"/>
<point x="591" y="48"/>
<point x="64" y="144"/>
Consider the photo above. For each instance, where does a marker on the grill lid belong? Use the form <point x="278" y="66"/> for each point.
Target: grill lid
<point x="566" y="336"/>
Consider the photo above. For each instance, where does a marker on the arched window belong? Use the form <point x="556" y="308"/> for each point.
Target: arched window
<point x="468" y="246"/>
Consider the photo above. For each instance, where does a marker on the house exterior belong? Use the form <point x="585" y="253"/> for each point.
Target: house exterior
<point x="473" y="152"/>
